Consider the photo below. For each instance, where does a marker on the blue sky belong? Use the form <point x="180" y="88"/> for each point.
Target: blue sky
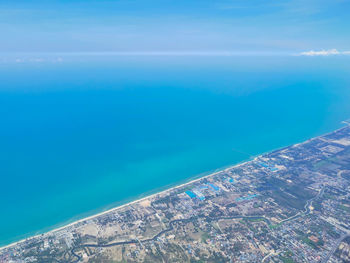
<point x="274" y="26"/>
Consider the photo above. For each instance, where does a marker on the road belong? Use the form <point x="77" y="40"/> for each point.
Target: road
<point x="336" y="245"/>
<point x="306" y="207"/>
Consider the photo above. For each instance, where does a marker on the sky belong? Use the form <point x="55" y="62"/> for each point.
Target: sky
<point x="181" y="26"/>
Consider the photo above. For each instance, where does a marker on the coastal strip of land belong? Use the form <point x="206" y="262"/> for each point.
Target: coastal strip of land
<point x="296" y="194"/>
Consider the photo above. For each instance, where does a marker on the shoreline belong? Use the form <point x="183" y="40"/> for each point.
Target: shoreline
<point x="168" y="188"/>
<point x="128" y="203"/>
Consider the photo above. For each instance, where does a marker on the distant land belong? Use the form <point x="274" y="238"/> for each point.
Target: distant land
<point x="289" y="205"/>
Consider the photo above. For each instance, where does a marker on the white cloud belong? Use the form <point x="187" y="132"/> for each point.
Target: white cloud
<point x="329" y="52"/>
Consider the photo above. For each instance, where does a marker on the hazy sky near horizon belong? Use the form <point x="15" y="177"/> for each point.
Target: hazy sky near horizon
<point x="182" y="25"/>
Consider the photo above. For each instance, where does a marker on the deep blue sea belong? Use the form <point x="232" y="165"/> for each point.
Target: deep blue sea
<point x="88" y="133"/>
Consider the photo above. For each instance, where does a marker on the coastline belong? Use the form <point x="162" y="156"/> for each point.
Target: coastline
<point x="194" y="179"/>
<point x="168" y="188"/>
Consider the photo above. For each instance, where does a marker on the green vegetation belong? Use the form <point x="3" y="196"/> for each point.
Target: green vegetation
<point x="328" y="196"/>
<point x="256" y="205"/>
<point x="317" y="205"/>
<point x="344" y="208"/>
<point x="285" y="194"/>
<point x="309" y="242"/>
<point x="254" y="219"/>
<point x="274" y="226"/>
<point x="287" y="259"/>
<point x="205" y="236"/>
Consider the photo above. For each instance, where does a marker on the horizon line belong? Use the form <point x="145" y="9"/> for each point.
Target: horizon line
<point x="149" y="53"/>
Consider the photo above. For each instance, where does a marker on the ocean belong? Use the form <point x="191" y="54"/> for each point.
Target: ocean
<point x="85" y="133"/>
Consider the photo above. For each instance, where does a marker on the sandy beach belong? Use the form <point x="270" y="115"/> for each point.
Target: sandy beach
<point x="123" y="205"/>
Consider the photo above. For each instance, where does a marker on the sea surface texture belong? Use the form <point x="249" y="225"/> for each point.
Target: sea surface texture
<point x="83" y="134"/>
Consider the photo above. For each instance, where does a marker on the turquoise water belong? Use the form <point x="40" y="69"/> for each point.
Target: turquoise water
<point x="88" y="133"/>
